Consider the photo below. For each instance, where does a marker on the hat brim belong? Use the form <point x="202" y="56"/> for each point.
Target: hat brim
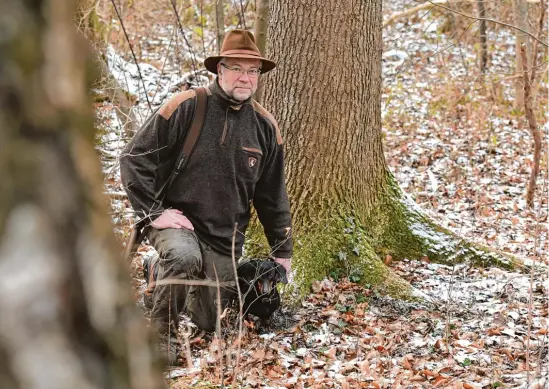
<point x="211" y="62"/>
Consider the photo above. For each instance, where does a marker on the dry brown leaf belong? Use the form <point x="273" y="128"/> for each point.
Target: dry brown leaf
<point x="331" y="353"/>
<point x="417" y="378"/>
<point x="439" y="381"/>
<point x="429" y="373"/>
<point x="494" y="331"/>
<point x="507" y="352"/>
<point x="439" y="344"/>
<point x="258" y="355"/>
<point x="365" y="368"/>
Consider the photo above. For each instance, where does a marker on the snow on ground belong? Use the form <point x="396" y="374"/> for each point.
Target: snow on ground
<point x="458" y="151"/>
<point x="474" y="333"/>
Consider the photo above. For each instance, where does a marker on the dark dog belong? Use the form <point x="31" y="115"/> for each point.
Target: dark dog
<point x="257" y="280"/>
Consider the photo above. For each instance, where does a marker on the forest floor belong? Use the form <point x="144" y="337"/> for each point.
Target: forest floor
<point x="459" y="149"/>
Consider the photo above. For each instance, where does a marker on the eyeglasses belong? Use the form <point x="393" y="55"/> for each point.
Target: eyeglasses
<point x="250" y="72"/>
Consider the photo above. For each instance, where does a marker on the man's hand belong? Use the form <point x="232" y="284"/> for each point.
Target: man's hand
<point x="286" y="263"/>
<point x="172" y="218"/>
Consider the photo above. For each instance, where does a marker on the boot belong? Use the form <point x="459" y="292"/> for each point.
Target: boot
<point x="169" y="348"/>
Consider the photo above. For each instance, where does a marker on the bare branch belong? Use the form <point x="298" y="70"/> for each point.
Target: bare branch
<point x="488" y="20"/>
<point x="133" y="54"/>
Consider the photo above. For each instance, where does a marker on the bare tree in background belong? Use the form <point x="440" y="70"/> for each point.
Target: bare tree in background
<point x="67" y="314"/>
<point x="520" y="11"/>
<point x="261" y="30"/>
<point x="220" y="21"/>
<point x="483" y="48"/>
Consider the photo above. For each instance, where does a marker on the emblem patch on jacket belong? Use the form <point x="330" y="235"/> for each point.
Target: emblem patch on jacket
<point x="252" y="161"/>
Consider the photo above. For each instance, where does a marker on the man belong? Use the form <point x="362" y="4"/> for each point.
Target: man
<point x="237" y="161"/>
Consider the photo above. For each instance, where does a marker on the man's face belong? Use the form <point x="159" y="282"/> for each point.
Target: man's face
<point x="239" y="85"/>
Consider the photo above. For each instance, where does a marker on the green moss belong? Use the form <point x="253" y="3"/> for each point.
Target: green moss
<point x="337" y="247"/>
<point x="400" y="229"/>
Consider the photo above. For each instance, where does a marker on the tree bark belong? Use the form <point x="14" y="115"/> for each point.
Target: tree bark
<point x="533" y="127"/>
<point x="348" y="211"/>
<point x="520" y="10"/>
<point x="220" y="22"/>
<point x="261" y="29"/>
<point x="483" y="49"/>
<point x="67" y="314"/>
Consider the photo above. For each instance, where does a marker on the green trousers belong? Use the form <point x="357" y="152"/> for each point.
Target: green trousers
<point x="182" y="256"/>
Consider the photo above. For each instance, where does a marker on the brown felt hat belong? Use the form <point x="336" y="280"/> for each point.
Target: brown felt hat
<point x="239" y="44"/>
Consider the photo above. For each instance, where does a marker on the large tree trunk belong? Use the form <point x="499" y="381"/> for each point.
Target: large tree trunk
<point x="348" y="211"/>
<point x="66" y="314"/>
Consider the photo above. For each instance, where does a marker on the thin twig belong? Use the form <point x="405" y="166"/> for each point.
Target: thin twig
<point x="411" y="11"/>
<point x="239" y="303"/>
<point x="218" y="328"/>
<point x="193" y="59"/>
<point x="531" y="290"/>
<point x="177" y="281"/>
<point x="133" y="54"/>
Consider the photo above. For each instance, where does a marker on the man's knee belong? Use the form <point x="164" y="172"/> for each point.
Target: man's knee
<point x="182" y="259"/>
<point x="179" y="252"/>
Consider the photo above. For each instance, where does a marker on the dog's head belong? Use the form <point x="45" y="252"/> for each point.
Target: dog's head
<point x="264" y="275"/>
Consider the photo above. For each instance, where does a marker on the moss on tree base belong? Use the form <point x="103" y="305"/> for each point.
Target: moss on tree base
<point x="398" y="227"/>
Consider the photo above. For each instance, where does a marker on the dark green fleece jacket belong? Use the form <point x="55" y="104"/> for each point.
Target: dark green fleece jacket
<point x="237" y="161"/>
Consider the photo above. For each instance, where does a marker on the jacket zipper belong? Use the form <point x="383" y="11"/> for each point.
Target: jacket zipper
<point x="226" y="125"/>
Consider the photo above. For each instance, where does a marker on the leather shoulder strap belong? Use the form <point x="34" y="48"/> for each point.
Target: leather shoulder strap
<point x="196" y="127"/>
<point x="190" y="141"/>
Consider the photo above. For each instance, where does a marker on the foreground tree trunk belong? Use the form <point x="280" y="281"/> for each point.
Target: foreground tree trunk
<point x="348" y="211"/>
<point x="67" y="318"/>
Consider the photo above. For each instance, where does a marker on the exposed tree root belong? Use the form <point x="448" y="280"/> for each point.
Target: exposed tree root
<point x="401" y="229"/>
